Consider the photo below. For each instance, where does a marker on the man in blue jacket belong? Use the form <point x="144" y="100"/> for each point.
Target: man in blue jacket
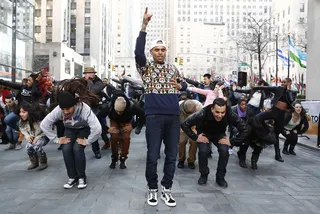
<point x="162" y="86"/>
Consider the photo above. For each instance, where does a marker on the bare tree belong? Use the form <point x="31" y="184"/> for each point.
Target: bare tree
<point x="255" y="40"/>
<point x="300" y="38"/>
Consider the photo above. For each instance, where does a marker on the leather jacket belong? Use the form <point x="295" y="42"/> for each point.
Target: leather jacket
<point x="203" y="120"/>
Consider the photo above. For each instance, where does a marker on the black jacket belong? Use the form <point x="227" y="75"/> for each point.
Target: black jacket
<point x="27" y="94"/>
<point x="203" y="121"/>
<point x="95" y="85"/>
<point x="303" y="121"/>
<point x="130" y="111"/>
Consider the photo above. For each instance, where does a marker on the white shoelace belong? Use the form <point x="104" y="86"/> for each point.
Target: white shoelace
<point x="153" y="193"/>
<point x="168" y="193"/>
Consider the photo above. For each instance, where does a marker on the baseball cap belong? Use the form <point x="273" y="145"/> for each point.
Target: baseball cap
<point x="157" y="43"/>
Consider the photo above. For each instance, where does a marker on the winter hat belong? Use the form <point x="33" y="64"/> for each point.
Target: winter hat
<point x="120" y="104"/>
<point x="66" y="100"/>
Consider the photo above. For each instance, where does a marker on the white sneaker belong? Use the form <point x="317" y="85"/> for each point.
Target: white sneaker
<point x="230" y="151"/>
<point x="18" y="146"/>
<point x="71" y="182"/>
<point x="166" y="196"/>
<point x="82" y="183"/>
<point x="153" y="197"/>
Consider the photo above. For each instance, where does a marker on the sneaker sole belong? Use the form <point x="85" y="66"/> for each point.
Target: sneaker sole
<point x="152" y="203"/>
<point x="69" y="187"/>
<point x="165" y="201"/>
<point x="82" y="187"/>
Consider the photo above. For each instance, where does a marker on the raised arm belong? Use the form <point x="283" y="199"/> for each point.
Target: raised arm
<point x="199" y="91"/>
<point x="140" y="57"/>
<point x="11" y="85"/>
<point x="195" y="83"/>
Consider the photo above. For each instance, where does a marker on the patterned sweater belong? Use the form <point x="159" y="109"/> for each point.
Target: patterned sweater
<point x="161" y="97"/>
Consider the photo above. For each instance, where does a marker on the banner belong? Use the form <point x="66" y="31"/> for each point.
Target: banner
<point x="313" y="110"/>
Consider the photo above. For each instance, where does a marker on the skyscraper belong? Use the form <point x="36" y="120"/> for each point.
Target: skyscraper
<point x="205" y="15"/>
<point x="88" y="32"/>
<point x="127" y="22"/>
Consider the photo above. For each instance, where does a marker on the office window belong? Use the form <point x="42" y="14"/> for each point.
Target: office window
<point x="302" y="7"/>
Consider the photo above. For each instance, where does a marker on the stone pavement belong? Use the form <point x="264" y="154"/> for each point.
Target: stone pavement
<point x="310" y="143"/>
<point x="289" y="187"/>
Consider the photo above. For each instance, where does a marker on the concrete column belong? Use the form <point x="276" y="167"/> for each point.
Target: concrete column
<point x="313" y="51"/>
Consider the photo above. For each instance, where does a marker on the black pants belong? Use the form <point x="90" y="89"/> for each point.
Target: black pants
<point x="278" y="116"/>
<point x="244" y="148"/>
<point x="95" y="145"/>
<point x="73" y="153"/>
<point x="203" y="151"/>
<point x="291" y="139"/>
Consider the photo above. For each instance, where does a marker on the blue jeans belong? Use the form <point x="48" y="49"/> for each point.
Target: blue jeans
<point x="11" y="121"/>
<point x="73" y="153"/>
<point x="158" y="128"/>
<point x="12" y="135"/>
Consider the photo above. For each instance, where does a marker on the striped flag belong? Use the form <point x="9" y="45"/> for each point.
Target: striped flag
<point x="284" y="58"/>
<point x="226" y="82"/>
<point x="297" y="55"/>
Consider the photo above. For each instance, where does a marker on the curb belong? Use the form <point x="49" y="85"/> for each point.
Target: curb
<point x="304" y="145"/>
<point x="308" y="146"/>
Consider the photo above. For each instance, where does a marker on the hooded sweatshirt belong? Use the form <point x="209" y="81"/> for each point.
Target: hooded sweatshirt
<point x="82" y="117"/>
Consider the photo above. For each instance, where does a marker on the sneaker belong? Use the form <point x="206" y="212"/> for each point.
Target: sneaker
<point x="153" y="197"/>
<point x="71" y="182"/>
<point x="18" y="146"/>
<point x="11" y="146"/>
<point x="82" y="183"/>
<point x="166" y="196"/>
<point x="230" y="151"/>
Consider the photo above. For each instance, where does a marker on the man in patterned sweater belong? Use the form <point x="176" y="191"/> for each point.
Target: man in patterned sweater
<point x="162" y="111"/>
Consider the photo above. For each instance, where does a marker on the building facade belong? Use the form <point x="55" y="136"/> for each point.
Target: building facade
<point x="232" y="14"/>
<point x="126" y="22"/>
<point x="313" y="51"/>
<point x="16" y="36"/>
<point x="88" y="32"/>
<point x="289" y="19"/>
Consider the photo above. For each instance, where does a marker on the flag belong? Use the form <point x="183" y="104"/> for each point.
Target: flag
<point x="297" y="55"/>
<point x="226" y="82"/>
<point x="284" y="58"/>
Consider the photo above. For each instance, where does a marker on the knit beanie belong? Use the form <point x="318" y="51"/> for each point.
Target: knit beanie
<point x="66" y="100"/>
<point x="120" y="104"/>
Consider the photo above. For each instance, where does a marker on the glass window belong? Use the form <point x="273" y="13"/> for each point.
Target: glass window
<point x="302" y="7"/>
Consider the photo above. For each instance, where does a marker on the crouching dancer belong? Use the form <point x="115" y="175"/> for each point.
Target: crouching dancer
<point x="81" y="129"/>
<point x="211" y="123"/>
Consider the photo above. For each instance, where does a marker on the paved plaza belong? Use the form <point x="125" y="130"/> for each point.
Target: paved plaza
<point x="289" y="187"/>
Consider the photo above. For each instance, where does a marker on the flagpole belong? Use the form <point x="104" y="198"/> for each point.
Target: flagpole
<point x="277" y="59"/>
<point x="289" y="56"/>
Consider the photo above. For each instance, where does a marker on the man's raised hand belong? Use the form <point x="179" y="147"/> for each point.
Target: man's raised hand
<point x="146" y="17"/>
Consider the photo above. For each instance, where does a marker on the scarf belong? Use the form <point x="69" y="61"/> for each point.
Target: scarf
<point x="241" y="114"/>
